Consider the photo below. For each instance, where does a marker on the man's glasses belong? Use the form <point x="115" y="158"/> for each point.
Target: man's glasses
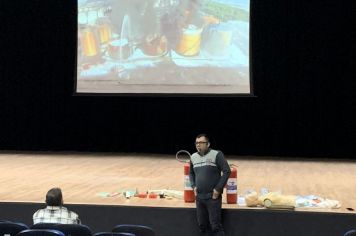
<point x="196" y="143"/>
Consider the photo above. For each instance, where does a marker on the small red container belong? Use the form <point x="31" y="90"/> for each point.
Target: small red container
<point x="142" y="195"/>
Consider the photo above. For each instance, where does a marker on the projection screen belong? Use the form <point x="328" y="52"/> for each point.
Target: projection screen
<point x="163" y="47"/>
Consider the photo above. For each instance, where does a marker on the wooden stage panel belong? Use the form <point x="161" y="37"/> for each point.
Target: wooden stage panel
<point x="26" y="177"/>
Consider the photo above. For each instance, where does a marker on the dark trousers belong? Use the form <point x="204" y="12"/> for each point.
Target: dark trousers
<point x="209" y="217"/>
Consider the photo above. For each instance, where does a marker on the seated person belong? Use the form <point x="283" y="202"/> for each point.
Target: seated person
<point x="55" y="212"/>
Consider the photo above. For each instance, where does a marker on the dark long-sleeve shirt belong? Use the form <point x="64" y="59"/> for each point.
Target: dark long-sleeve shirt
<point x="205" y="173"/>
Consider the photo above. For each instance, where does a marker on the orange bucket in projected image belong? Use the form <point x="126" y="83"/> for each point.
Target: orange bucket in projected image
<point x="189" y="44"/>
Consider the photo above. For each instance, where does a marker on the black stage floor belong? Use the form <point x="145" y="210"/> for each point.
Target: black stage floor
<point x="182" y="221"/>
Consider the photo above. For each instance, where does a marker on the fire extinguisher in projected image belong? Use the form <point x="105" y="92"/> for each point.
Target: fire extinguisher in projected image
<point x="231" y="186"/>
<point x="188" y="190"/>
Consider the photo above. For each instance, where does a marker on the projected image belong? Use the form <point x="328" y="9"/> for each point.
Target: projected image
<point x="163" y="46"/>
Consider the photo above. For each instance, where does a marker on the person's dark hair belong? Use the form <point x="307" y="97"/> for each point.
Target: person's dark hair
<point x="205" y="136"/>
<point x="54" y="197"/>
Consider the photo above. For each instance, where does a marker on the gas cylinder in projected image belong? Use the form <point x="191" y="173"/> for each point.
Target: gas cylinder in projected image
<point x="104" y="30"/>
<point x="89" y="45"/>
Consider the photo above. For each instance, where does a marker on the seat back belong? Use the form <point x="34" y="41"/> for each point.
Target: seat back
<point x="67" y="229"/>
<point x="138" y="230"/>
<point x="44" y="226"/>
<point x="40" y="232"/>
<point x="11" y="228"/>
<point x="350" y="233"/>
<point x="113" y="234"/>
<point x="74" y="230"/>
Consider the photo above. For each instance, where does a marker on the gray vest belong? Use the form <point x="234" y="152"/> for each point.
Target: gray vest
<point x="207" y="160"/>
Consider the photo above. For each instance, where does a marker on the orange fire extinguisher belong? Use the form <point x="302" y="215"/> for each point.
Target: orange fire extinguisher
<point x="231" y="186"/>
<point x="188" y="190"/>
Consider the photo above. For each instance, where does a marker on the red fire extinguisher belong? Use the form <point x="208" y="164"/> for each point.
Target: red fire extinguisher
<point x="231" y="186"/>
<point x="188" y="190"/>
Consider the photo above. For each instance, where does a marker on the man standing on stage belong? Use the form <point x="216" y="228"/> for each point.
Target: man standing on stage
<point x="208" y="183"/>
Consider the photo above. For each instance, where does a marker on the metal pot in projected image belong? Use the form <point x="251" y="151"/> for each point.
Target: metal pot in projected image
<point x="217" y="39"/>
<point x="119" y="49"/>
<point x="189" y="43"/>
<point x="154" y="45"/>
